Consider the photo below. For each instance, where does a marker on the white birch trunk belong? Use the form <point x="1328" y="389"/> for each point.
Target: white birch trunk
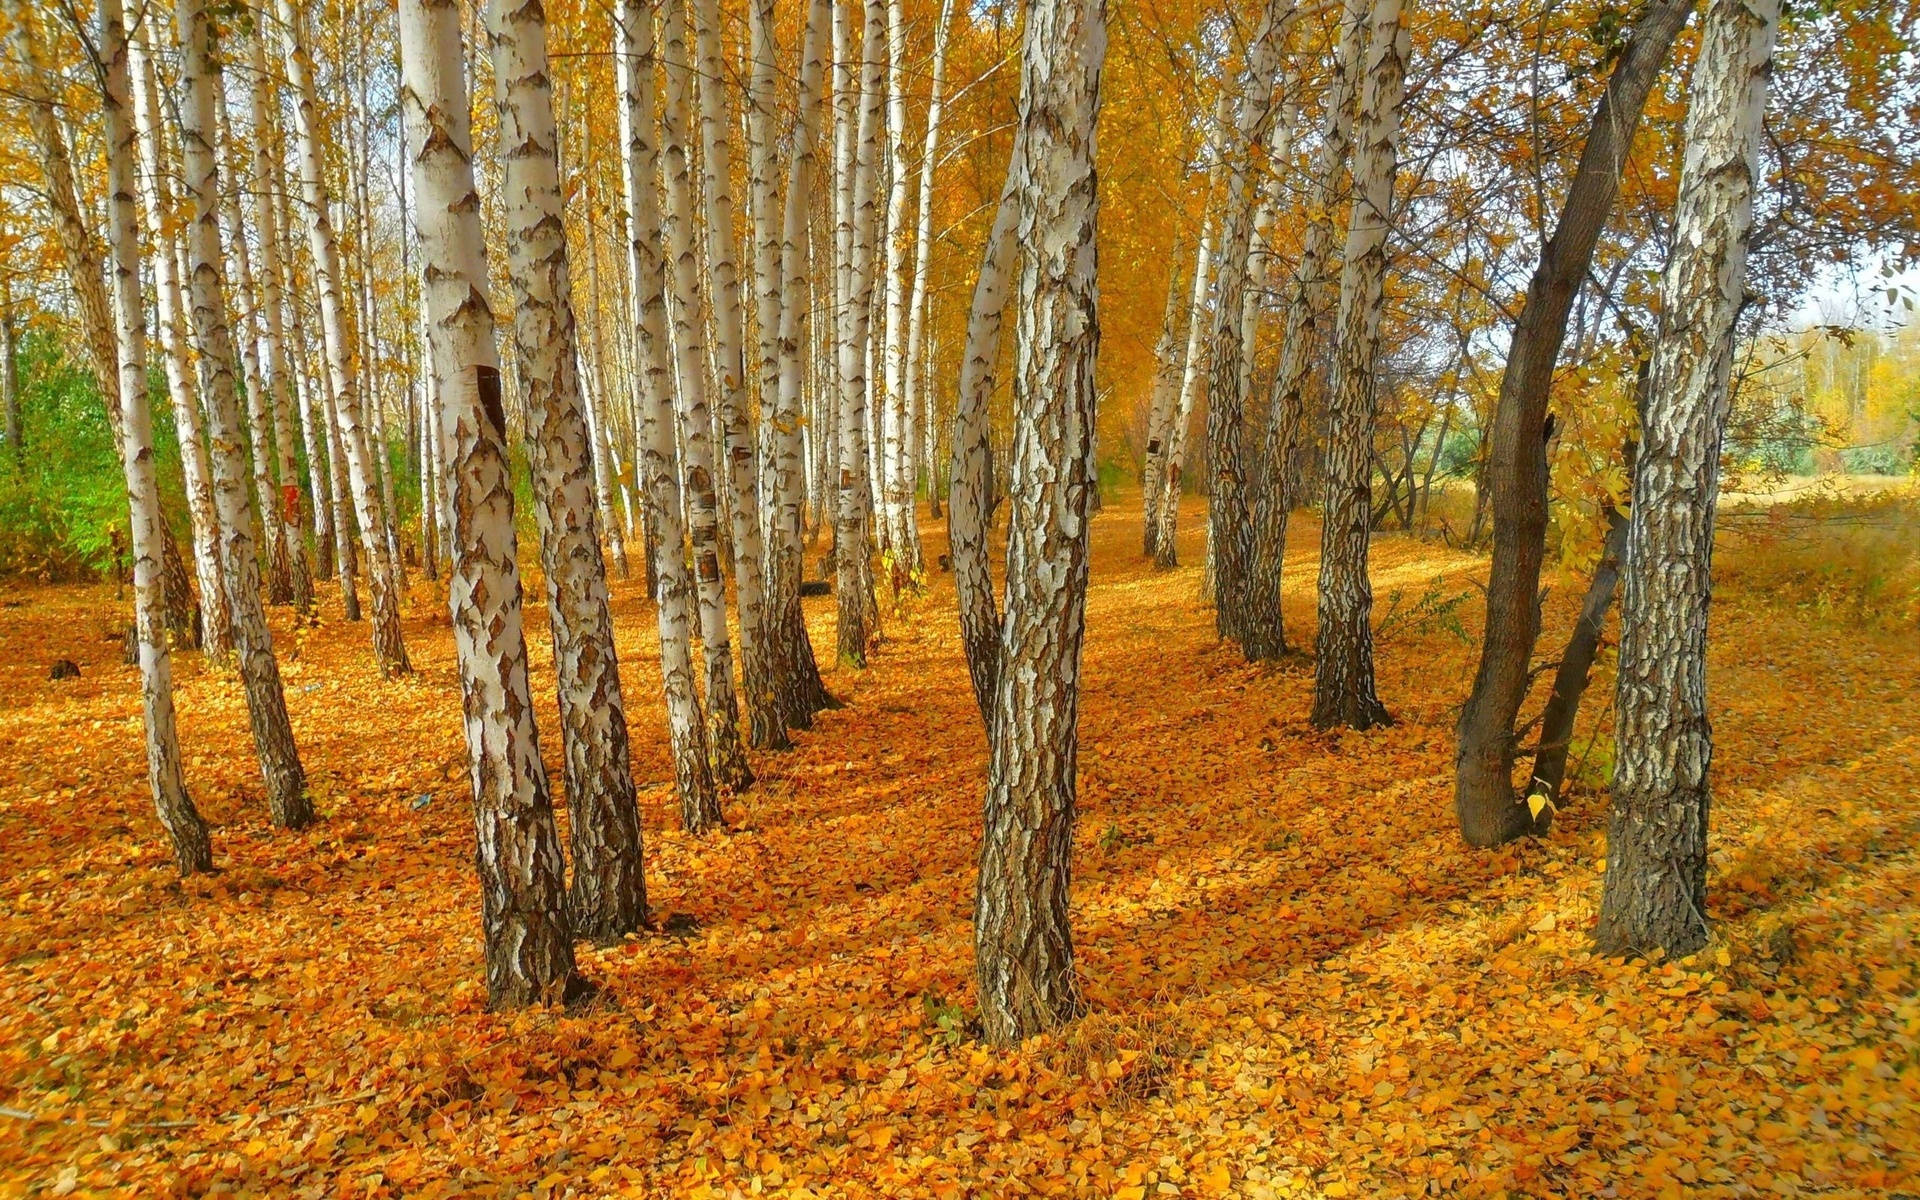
<point x="1343" y="647"/>
<point x="529" y="941"/>
<point x="192" y="850"/>
<point x="903" y="534"/>
<point x="1655" y="892"/>
<point x="389" y="647"/>
<point x="919" y="401"/>
<point x="608" y="897"/>
<point x="286" y="784"/>
<point x="659" y="464"/>
<point x="1194" y="364"/>
<point x="1166" y="382"/>
<point x="702" y="491"/>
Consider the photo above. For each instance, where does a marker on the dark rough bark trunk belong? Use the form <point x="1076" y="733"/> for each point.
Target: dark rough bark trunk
<point x="1576" y="664"/>
<point x="1488" y="809"/>
<point x="1022" y="942"/>
<point x="1654" y="895"/>
<point x="183" y="611"/>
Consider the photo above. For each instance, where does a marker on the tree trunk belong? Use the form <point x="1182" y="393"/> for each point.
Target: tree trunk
<point x="1654" y="896"/>
<point x="1228" y="513"/>
<point x="970" y="495"/>
<point x="389" y="648"/>
<point x="1300" y="335"/>
<point x="1166" y="553"/>
<point x="696" y="419"/>
<point x="766" y="728"/>
<point x="192" y="850"/>
<point x="286" y="783"/>
<point x="1166" y="380"/>
<point x="529" y="941"/>
<point x="608" y="898"/>
<point x="1576" y="664"/>
<point x="659" y="456"/>
<point x="921" y="404"/>
<point x="903" y="533"/>
<point x="1343" y="690"/>
<point x="1488" y="809"/>
<point x="267" y="172"/>
<point x="800" y="693"/>
<point x="10" y="376"/>
<point x="1022" y="943"/>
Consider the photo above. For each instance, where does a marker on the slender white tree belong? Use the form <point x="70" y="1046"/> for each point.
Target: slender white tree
<point x="659" y="455"/>
<point x="919" y="401"/>
<point x="192" y="850"/>
<point x="702" y="492"/>
<point x="897" y="454"/>
<point x="389" y="646"/>
<point x="286" y="783"/>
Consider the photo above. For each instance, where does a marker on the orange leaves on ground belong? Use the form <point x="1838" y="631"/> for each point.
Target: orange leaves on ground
<point x="1300" y="983"/>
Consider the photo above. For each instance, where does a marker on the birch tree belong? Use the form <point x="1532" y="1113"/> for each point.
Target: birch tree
<point x="659" y="456"/>
<point x="919" y="403"/>
<point x="608" y="894"/>
<point x="897" y="457"/>
<point x="1655" y="891"/>
<point x="1168" y="363"/>
<point x="286" y="784"/>
<point x="1343" y="692"/>
<point x="192" y="849"/>
<point x="766" y="729"/>
<point x="702" y="489"/>
<point x="529" y="940"/>
<point x="389" y="647"/>
<point x="800" y="692"/>
<point x="1022" y="944"/>
<point x="1166" y="553"/>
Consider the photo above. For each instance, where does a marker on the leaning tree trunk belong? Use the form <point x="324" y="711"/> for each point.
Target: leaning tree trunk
<point x="1023" y="948"/>
<point x="1343" y="689"/>
<point x="389" y="647"/>
<point x="1228" y="512"/>
<point x="1484" y="800"/>
<point x="266" y="702"/>
<point x="970" y="499"/>
<point x="800" y="693"/>
<point x="1576" y="664"/>
<point x="216" y="627"/>
<point x="758" y="669"/>
<point x="608" y="898"/>
<point x="658" y="459"/>
<point x="696" y="420"/>
<point x="529" y="941"/>
<point x="192" y="851"/>
<point x="1166" y="515"/>
<point x="1300" y="334"/>
<point x="1655" y="893"/>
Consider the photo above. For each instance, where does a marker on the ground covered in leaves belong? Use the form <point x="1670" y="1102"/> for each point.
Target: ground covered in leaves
<point x="1301" y="984"/>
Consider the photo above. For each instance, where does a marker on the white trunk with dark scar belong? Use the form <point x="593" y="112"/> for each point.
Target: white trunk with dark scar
<point x="1022" y="944"/>
<point x="897" y="461"/>
<point x="1168" y="362"/>
<point x="1655" y="893"/>
<point x="266" y="703"/>
<point x="920" y="403"/>
<point x="702" y="491"/>
<point x="529" y="941"/>
<point x="389" y="648"/>
<point x="659" y="463"/>
<point x="192" y="851"/>
<point x="1167" y="513"/>
<point x="608" y="894"/>
<point x="860" y="172"/>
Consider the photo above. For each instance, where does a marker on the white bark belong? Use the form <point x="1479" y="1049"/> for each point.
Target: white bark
<point x="389" y="648"/>
<point x="529" y="941"/>
<point x="659" y="457"/>
<point x="158" y="204"/>
<point x="919" y="402"/>
<point x="702" y="493"/>
<point x="897" y="458"/>
<point x="1193" y="369"/>
<point x="192" y="851"/>
<point x="260" y="672"/>
<point x="609" y="892"/>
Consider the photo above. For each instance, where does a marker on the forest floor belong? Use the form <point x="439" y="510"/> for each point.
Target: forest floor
<point x="1300" y="982"/>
